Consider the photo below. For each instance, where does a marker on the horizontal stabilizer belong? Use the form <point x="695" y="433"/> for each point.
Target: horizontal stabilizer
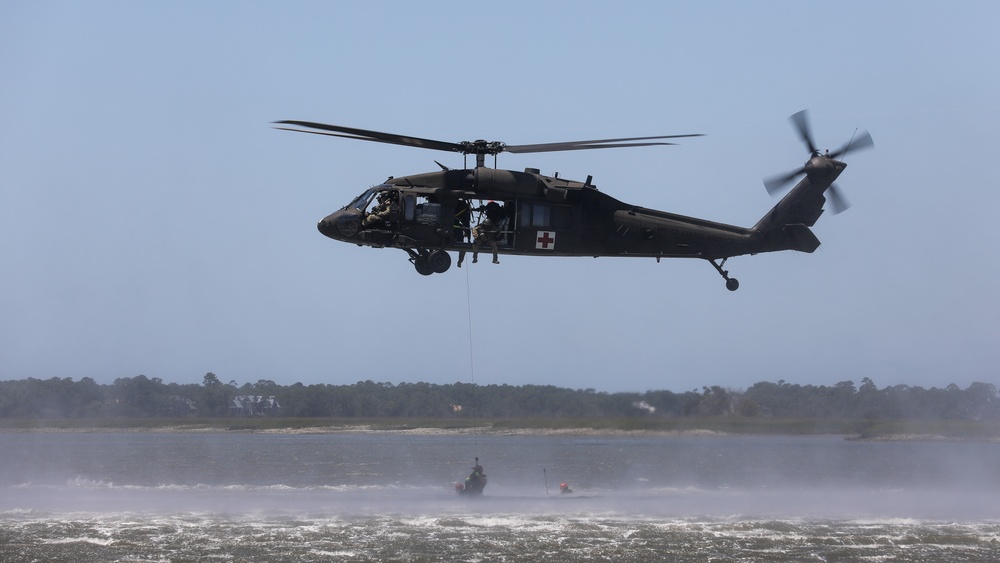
<point x="798" y="237"/>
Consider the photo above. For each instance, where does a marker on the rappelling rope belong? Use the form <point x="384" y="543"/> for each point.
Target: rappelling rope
<point x="472" y="365"/>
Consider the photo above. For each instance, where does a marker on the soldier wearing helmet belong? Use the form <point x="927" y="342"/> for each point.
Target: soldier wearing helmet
<point x="381" y="210"/>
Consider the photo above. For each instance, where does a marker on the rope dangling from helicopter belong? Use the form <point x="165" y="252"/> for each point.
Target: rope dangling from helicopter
<point x="472" y="364"/>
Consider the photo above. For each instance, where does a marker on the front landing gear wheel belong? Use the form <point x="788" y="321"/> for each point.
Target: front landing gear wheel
<point x="439" y="261"/>
<point x="423" y="266"/>
<point x="732" y="284"/>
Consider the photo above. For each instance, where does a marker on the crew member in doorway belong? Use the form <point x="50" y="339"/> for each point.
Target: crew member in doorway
<point x="461" y="226"/>
<point x="485" y="233"/>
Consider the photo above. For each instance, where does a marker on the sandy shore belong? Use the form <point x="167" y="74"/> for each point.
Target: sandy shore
<point x="368" y="429"/>
<point x="888" y="432"/>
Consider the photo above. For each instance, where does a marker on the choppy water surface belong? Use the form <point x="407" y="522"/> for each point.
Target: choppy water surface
<point x="389" y="496"/>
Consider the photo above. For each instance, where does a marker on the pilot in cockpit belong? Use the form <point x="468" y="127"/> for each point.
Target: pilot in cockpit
<point x="380" y="211"/>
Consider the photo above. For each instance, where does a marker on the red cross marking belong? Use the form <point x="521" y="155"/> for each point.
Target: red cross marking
<point x="545" y="240"/>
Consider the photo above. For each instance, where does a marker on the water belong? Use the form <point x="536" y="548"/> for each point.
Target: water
<point x="153" y="496"/>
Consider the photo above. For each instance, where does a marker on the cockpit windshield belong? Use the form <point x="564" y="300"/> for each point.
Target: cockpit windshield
<point x="362" y="201"/>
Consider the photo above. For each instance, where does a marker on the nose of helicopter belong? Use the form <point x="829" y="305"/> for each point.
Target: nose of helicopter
<point x="340" y="225"/>
<point x="328" y="226"/>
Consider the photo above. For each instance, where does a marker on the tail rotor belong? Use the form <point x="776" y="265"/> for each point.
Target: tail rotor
<point x="775" y="185"/>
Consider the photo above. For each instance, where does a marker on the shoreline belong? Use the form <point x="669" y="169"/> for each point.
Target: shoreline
<point x="869" y="431"/>
<point x="366" y="429"/>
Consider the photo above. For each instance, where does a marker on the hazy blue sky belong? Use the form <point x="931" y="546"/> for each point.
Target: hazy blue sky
<point x="152" y="222"/>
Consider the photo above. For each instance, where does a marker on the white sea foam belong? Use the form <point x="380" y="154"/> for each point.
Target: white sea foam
<point x="92" y="541"/>
<point x="194" y="496"/>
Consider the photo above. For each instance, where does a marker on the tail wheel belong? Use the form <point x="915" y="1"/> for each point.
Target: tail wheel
<point x="732" y="284"/>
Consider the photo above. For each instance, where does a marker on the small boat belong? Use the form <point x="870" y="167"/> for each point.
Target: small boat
<point x="474" y="483"/>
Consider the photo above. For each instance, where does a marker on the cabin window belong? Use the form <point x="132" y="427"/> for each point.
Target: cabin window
<point x="533" y="214"/>
<point x="540" y="215"/>
<point x="409" y="206"/>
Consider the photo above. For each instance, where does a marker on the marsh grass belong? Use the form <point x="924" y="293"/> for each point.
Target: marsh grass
<point x="931" y="429"/>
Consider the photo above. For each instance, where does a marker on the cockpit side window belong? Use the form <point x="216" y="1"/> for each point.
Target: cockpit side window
<point x="361" y="202"/>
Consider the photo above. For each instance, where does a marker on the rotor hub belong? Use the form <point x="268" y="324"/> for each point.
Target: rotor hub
<point x="481" y="146"/>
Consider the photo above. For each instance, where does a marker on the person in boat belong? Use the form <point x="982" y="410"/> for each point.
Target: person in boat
<point x="564" y="488"/>
<point x="475" y="482"/>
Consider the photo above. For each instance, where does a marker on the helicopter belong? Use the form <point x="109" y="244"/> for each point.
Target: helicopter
<point x="431" y="214"/>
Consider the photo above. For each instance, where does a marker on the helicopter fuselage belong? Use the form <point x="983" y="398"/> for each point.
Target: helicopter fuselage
<point x="527" y="213"/>
<point x="426" y="214"/>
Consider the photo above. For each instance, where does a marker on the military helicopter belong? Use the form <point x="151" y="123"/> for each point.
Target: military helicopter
<point x="431" y="214"/>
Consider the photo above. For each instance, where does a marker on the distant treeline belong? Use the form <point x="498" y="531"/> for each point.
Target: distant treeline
<point x="139" y="397"/>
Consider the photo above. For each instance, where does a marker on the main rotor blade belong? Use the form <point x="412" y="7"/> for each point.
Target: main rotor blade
<point x="860" y="142"/>
<point x="375" y="136"/>
<point x="838" y="203"/>
<point x="556" y="147"/>
<point x="593" y="144"/>
<point x="333" y="135"/>
<point x="775" y="184"/>
<point x="801" y="122"/>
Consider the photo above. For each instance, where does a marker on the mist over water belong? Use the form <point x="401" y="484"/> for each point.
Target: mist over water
<point x="377" y="496"/>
